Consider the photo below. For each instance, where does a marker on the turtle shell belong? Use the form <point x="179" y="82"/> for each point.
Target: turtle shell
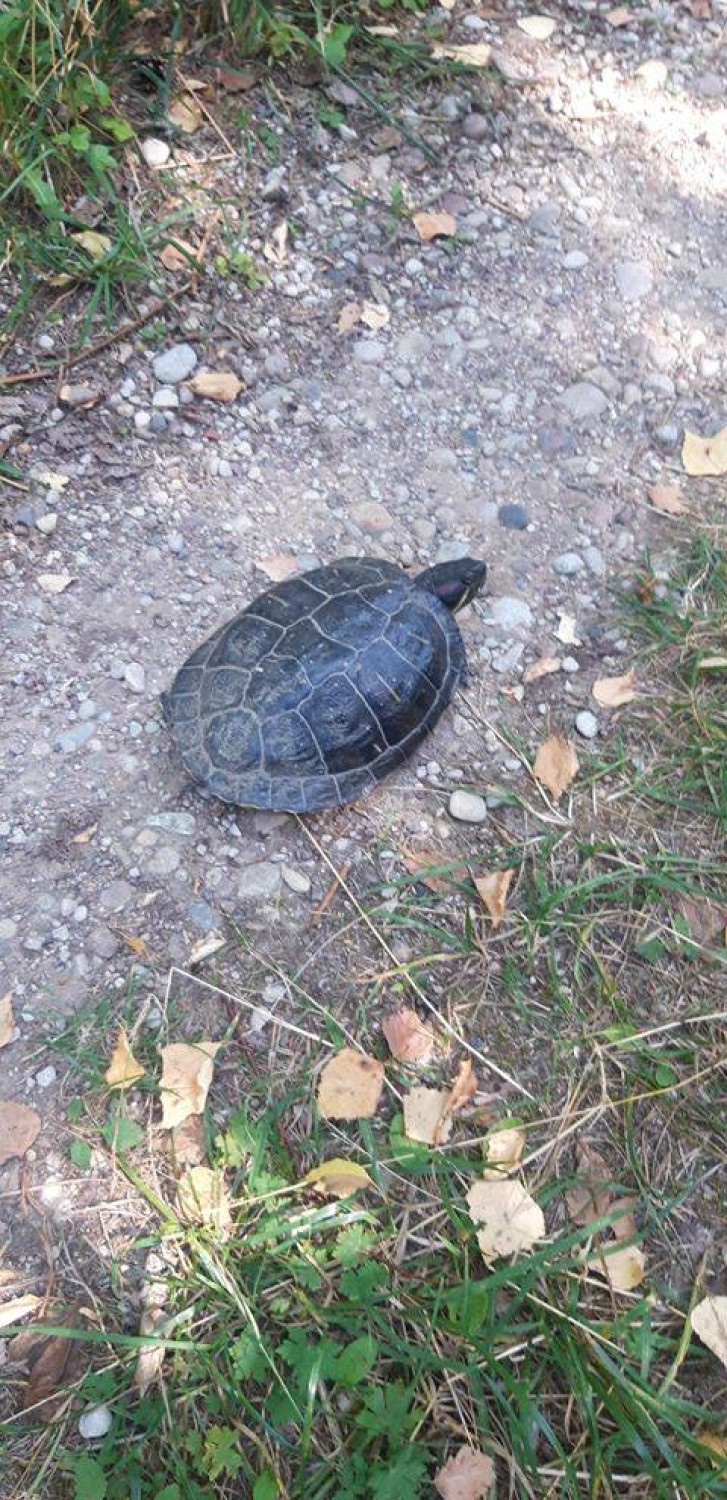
<point x="318" y="689"/>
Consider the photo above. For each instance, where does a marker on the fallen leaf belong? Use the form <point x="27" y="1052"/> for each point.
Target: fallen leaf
<point x="7" y="1024"/>
<point x="613" y="692"/>
<point x="350" y="1086"/>
<point x="19" y="1126"/>
<point x="179" y="256"/>
<point x="504" y="1152"/>
<point x="705" y="919"/>
<point x="468" y="1475"/>
<point x="55" y="583"/>
<point x="556" y="764"/>
<point x="419" y="862"/>
<point x="187" y="1070"/>
<point x="623" y="1266"/>
<point x="185" y="113"/>
<point x="349" y="317"/>
<point x="205" y="947"/>
<point x="202" y="1198"/>
<point x="237" y="80"/>
<point x="545" y="666"/>
<point x="492" y="890"/>
<point x="715" y="1441"/>
<point x="424" y="1115"/>
<point x="375" y="315"/>
<point x="337" y="1178"/>
<point x="705" y="455"/>
<point x="123" y="1069"/>
<point x="538" y="27"/>
<point x="667" y="498"/>
<point x="590" y="1198"/>
<point x="188" y="1142"/>
<point x="409" y="1039"/>
<point x="19" y="1307"/>
<point x="55" y="481"/>
<point x="96" y="245"/>
<point x="86" y="834"/>
<point x="279" y="566"/>
<point x="54" y="1366"/>
<point x="709" y="1321"/>
<point x="470" y="54"/>
<point x="511" y="1220"/>
<point x="136" y="945"/>
<point x="82" y="397"/>
<point x="463" y="1089"/>
<point x="276" y="248"/>
<point x="566" y="631"/>
<point x="623" y="1223"/>
<point x="151" y="1358"/>
<point x="620" y="16"/>
<point x="433" y="226"/>
<point x="216" y="385"/>
<point x="712" y="663"/>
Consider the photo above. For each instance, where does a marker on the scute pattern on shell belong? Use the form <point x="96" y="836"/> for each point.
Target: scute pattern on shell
<point x="318" y="689"/>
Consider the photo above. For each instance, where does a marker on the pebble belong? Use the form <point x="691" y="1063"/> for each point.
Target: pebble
<point x="103" y="942"/>
<point x="259" y="882"/>
<point x="509" y="614"/>
<point x="175" y="364"/>
<point x="165" y="399"/>
<point x="47" y="524"/>
<point x="182" y="823"/>
<point x="513" y="517"/>
<point x="8" y="929"/>
<point x="467" y="807"/>
<point x="369" y="351"/>
<point x="142" y="420"/>
<point x="135" y="676"/>
<point x="545" y="218"/>
<point x="46" y="1077"/>
<point x="164" y="861"/>
<point x="73" y="739"/>
<point x="296" y="880"/>
<point x="584" y="401"/>
<point x="593" y="559"/>
<point x="587" y="724"/>
<point x="95" y="1422"/>
<point x="634" y="280"/>
<point x="372" y="517"/>
<point x="476" y="127"/>
<point x="568" y="564"/>
<point x="556" y="442"/>
<point x="575" y="260"/>
<point x="156" y="153"/>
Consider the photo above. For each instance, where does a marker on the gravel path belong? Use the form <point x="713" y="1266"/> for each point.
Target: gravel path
<point x="522" y="388"/>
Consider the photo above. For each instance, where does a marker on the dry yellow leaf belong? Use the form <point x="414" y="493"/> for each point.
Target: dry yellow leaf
<point x="613" y="692"/>
<point x="55" y="583"/>
<point x="667" y="498"/>
<point x="556" y="764"/>
<point x="188" y="1142"/>
<point x="19" y="1126"/>
<point x="151" y="1358"/>
<point x="706" y="920"/>
<point x="7" y="1024"/>
<point x="469" y="54"/>
<point x="20" y="1307"/>
<point x="712" y="664"/>
<point x="705" y="455"/>
<point x="492" y="890"/>
<point x="622" y="1265"/>
<point x="424" y="1115"/>
<point x="178" y="256"/>
<point x="623" y="1223"/>
<point x="276" y="248"/>
<point x="216" y="385"/>
<point x="337" y="1178"/>
<point x="715" y="1441"/>
<point x="205" y="947"/>
<point x="136" y="945"/>
<point x="350" y="1086"/>
<point x="433" y="226"/>
<point x="545" y="666"/>
<point x="96" y="245"/>
<point x="409" y="1039"/>
<point x="504" y="1152"/>
<point x="348" y="317"/>
<point x="123" y="1069"/>
<point x="709" y="1321"/>
<point x="185" y="113"/>
<point x="86" y="834"/>
<point x="590" y="1198"/>
<point x="468" y="1475"/>
<point x="511" y="1220"/>
<point x="420" y="861"/>
<point x="187" y="1070"/>
<point x="202" y="1198"/>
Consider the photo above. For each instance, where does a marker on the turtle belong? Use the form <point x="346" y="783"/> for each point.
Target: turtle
<point x="320" y="687"/>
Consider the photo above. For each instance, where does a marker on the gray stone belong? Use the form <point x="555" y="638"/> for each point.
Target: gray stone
<point x="142" y="420"/>
<point x="476" y="127"/>
<point x="587" y="724"/>
<point x="593" y="559"/>
<point x="46" y="524"/>
<point x="467" y="807"/>
<point x="165" y="398"/>
<point x="103" y="942"/>
<point x="46" y="1077"/>
<point x="513" y="517"/>
<point x="203" y="916"/>
<point x="296" y="880"/>
<point x="585" y="402"/>
<point x="634" y="279"/>
<point x="260" y="882"/>
<point x="556" y="442"/>
<point x="568" y="564"/>
<point x="506" y="661"/>
<point x="544" y="219"/>
<point x="8" y="929"/>
<point x="73" y="739"/>
<point x="175" y="364"/>
<point x="575" y="260"/>
<point x="98" y="1420"/>
<point x="451" y="550"/>
<point x="164" y="861"/>
<point x="369" y="351"/>
<point x="114" y="898"/>
<point x="509" y="614"/>
<point x="182" y="823"/>
<point x="135" y="676"/>
<point x="158" y="422"/>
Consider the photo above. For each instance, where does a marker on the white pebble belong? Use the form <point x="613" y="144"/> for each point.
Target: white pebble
<point x="587" y="724"/>
<point x="467" y="807"/>
<point x="296" y="880"/>
<point x="95" y="1422"/>
<point x="46" y="1077"/>
<point x="156" y="153"/>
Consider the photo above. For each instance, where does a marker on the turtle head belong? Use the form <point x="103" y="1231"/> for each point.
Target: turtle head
<point x="455" y="583"/>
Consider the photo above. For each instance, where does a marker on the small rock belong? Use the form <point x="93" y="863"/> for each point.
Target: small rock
<point x="8" y="929"/>
<point x="296" y="880"/>
<point x="513" y="517"/>
<point x="156" y="153"/>
<point x="73" y="739"/>
<point x="135" y="676"/>
<point x="509" y="614"/>
<point x="142" y="420"/>
<point x="259" y="882"/>
<point x="568" y="564"/>
<point x="164" y="861"/>
<point x="78" y="395"/>
<point x="584" y="401"/>
<point x="545" y="218"/>
<point x="634" y="279"/>
<point x="476" y="127"/>
<point x="95" y="1422"/>
<point x="653" y="73"/>
<point x="182" y="823"/>
<point x="46" y="1077"/>
<point x="369" y="351"/>
<point x="372" y="517"/>
<point x="175" y="364"/>
<point x="593" y="559"/>
<point x="575" y="260"/>
<point x="103" y="942"/>
<point x="556" y="442"/>
<point x="47" y="523"/>
<point x="467" y="807"/>
<point x="587" y="724"/>
<point x="165" y="399"/>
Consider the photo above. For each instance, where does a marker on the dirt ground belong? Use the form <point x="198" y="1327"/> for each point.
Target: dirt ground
<point x="533" y="378"/>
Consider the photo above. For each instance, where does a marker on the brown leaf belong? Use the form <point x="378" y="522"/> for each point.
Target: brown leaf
<point x="543" y="667"/>
<point x="715" y="1441"/>
<point x="511" y="1220"/>
<point x="623" y="1223"/>
<point x="188" y="1143"/>
<point x="350" y="1086"/>
<point x="179" y="256"/>
<point x="349" y="317"/>
<point x="418" y="861"/>
<point x="55" y="583"/>
<point x="709" y="1321"/>
<point x="54" y="1366"/>
<point x="430" y="226"/>
<point x="216" y="385"/>
<point x="202" y="1198"/>
<point x="470" y="54"/>
<point x="556" y="764"/>
<point x="237" y="80"/>
<point x="705" y="455"/>
<point x="623" y="1266"/>
<point x="205" y="947"/>
<point x="424" y="1115"/>
<point x="468" y="1475"/>
<point x="19" y="1126"/>
<point x="504" y="1152"/>
<point x="590" y="1199"/>
<point x="707" y="922"/>
<point x="279" y="566"/>
<point x="276" y="248"/>
<point x="123" y="1069"/>
<point x="136" y="945"/>
<point x="667" y="498"/>
<point x="185" y="113"/>
<point x="151" y="1358"/>
<point x="186" y="1077"/>
<point x="19" y="1307"/>
<point x="337" y="1178"/>
<point x="492" y="890"/>
<point x="613" y="692"/>
<point x="463" y="1089"/>
<point x="409" y="1039"/>
<point x="7" y="1024"/>
<point x="86" y="834"/>
<point x="96" y="245"/>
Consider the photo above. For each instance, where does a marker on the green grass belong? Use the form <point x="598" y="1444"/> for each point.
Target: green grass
<point x="345" y="1348"/>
